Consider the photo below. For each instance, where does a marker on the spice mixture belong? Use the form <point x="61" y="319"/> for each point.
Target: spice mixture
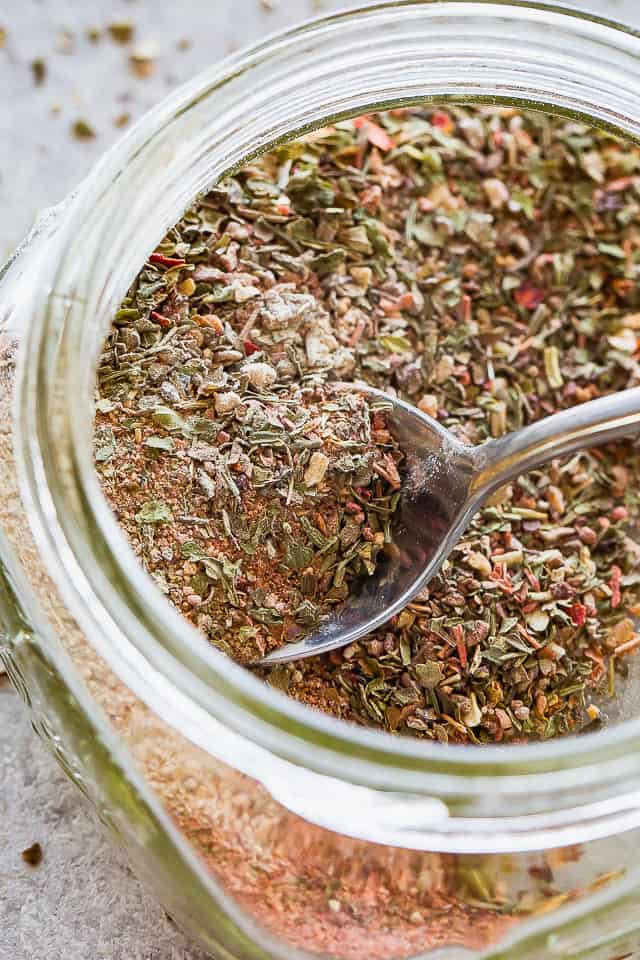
<point x="480" y="263"/>
<point x="267" y="502"/>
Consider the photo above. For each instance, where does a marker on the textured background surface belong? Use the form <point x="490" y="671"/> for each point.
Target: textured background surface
<point x="82" y="903"/>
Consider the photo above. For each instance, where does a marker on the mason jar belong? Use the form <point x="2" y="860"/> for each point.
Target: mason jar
<point x="267" y="829"/>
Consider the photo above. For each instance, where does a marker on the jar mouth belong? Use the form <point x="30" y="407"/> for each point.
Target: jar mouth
<point x="338" y="66"/>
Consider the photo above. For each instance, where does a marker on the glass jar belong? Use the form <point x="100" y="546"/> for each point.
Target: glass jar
<point x="266" y="829"/>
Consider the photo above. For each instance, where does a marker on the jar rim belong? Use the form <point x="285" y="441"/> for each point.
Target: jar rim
<point x="158" y="654"/>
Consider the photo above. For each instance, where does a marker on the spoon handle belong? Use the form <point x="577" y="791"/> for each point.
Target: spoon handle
<point x="585" y="425"/>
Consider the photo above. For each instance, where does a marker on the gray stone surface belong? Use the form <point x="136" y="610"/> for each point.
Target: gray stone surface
<point x="82" y="903"/>
<point x="39" y="160"/>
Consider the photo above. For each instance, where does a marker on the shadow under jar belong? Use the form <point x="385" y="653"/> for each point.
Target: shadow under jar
<point x="267" y="829"/>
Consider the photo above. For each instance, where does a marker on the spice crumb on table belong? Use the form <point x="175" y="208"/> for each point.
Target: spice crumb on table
<point x="479" y="263"/>
<point x="32" y="855"/>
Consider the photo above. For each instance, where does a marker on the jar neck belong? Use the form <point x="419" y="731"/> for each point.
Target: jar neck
<point x="383" y="55"/>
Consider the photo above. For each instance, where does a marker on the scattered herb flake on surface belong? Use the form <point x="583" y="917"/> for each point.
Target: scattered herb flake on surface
<point x="32" y="855"/>
<point x="122" y="31"/>
<point x="39" y="71"/>
<point x="82" y="130"/>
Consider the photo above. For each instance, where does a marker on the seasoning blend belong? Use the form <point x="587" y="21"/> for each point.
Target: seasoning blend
<point x="254" y="508"/>
<point x="475" y="261"/>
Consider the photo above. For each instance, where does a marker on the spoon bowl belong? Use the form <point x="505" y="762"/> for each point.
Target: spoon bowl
<point x="445" y="482"/>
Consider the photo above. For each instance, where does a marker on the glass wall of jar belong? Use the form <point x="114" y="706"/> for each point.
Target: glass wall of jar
<point x="266" y="828"/>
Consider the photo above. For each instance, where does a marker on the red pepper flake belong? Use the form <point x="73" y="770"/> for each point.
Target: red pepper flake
<point x="533" y="580"/>
<point x="578" y="613"/>
<point x="166" y="261"/>
<point x="250" y="347"/>
<point x="375" y="134"/>
<point x="465" y="308"/>
<point x="442" y="120"/>
<point x="406" y="301"/>
<point x="529" y="296"/>
<point x="614" y="584"/>
<point x="458" y="635"/>
<point x="370" y="197"/>
<point x="622" y="183"/>
<point x="161" y="319"/>
<point x="379" y="137"/>
<point x="594" y="655"/>
<point x="502" y="576"/>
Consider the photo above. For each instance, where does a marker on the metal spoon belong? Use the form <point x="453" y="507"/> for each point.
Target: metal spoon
<point x="445" y="484"/>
